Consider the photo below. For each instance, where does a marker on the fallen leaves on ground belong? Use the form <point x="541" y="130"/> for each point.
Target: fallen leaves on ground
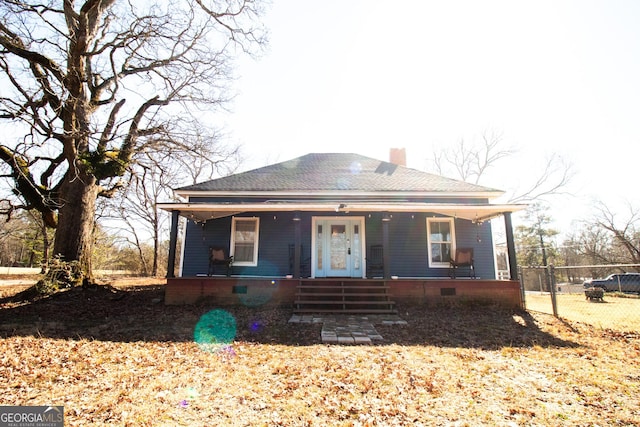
<point x="115" y="356"/>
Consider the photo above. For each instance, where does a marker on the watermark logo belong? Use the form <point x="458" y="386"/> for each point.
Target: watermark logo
<point x="31" y="416"/>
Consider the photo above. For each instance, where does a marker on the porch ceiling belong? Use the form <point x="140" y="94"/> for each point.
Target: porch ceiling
<point x="472" y="212"/>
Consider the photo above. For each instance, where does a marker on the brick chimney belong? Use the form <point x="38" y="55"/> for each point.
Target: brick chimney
<point x="398" y="156"/>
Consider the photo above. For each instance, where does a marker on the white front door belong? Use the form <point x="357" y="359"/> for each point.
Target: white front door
<point x="338" y="247"/>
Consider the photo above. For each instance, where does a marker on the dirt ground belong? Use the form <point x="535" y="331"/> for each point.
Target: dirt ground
<point x="116" y="355"/>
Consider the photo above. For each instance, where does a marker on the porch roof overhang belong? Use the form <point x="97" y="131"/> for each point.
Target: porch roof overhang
<point x="202" y="212"/>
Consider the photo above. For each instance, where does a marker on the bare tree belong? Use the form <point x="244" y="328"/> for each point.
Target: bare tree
<point x="205" y="160"/>
<point x="92" y="85"/>
<point x="624" y="234"/>
<point x="152" y="179"/>
<point x="591" y="246"/>
<point x="554" y="177"/>
<point x="470" y="162"/>
<point x="607" y="238"/>
<point x="25" y="240"/>
<point x="13" y="240"/>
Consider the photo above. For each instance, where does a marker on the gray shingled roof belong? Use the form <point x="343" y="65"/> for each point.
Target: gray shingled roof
<point x="336" y="171"/>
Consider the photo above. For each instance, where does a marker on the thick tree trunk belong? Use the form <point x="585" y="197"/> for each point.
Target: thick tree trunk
<point x="74" y="235"/>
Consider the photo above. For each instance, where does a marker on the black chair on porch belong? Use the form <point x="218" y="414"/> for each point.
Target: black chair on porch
<point x="375" y="261"/>
<point x="218" y="257"/>
<point x="463" y="259"/>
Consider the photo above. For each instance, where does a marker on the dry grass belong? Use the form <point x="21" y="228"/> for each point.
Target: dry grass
<point x="616" y="312"/>
<point x="113" y="357"/>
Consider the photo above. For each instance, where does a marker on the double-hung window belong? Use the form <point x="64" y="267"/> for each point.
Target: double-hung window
<point x="244" y="241"/>
<point x="441" y="238"/>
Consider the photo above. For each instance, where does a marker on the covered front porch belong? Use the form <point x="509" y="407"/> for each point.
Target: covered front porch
<point x="400" y="229"/>
<point x="397" y="228"/>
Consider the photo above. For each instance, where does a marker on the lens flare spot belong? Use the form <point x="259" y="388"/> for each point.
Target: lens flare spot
<point x="259" y="294"/>
<point x="192" y="393"/>
<point x="355" y="168"/>
<point x="215" y="330"/>
<point x="256" y="326"/>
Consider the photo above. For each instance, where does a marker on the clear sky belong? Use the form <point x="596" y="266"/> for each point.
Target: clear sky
<point x="552" y="76"/>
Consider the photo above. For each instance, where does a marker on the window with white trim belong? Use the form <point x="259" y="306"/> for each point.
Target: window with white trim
<point x="441" y="241"/>
<point x="244" y="241"/>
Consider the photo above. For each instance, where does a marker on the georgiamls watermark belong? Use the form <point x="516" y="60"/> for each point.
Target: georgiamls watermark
<point x="31" y="416"/>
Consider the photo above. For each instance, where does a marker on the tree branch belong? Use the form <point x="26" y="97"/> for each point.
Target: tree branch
<point x="36" y="197"/>
<point x="13" y="44"/>
<point x="556" y="175"/>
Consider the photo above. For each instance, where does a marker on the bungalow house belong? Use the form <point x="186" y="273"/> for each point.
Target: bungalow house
<point x="337" y="231"/>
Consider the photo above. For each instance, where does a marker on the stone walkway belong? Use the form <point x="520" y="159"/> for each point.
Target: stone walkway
<point x="348" y="329"/>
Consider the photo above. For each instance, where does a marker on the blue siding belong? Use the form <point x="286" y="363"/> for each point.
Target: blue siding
<point x="410" y="250"/>
<point x="275" y="234"/>
<point x="407" y="234"/>
<point x="478" y="237"/>
<point x="198" y="239"/>
<point x="408" y="241"/>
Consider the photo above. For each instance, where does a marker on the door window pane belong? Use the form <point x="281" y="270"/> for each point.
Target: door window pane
<point x="338" y="249"/>
<point x="355" y="247"/>
<point x="319" y="244"/>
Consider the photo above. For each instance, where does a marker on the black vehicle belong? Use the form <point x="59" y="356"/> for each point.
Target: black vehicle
<point x="622" y="282"/>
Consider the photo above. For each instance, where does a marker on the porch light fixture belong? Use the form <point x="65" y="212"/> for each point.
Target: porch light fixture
<point x="386" y="217"/>
<point x="296" y="216"/>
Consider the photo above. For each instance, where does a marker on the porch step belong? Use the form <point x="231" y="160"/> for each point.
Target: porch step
<point x="342" y="287"/>
<point x="347" y="310"/>
<point x="337" y="302"/>
<point x="343" y="296"/>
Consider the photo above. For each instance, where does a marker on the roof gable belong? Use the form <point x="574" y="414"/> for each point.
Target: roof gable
<point x="343" y="172"/>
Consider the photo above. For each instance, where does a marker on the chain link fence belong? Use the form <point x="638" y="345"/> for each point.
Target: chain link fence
<point x="561" y="291"/>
